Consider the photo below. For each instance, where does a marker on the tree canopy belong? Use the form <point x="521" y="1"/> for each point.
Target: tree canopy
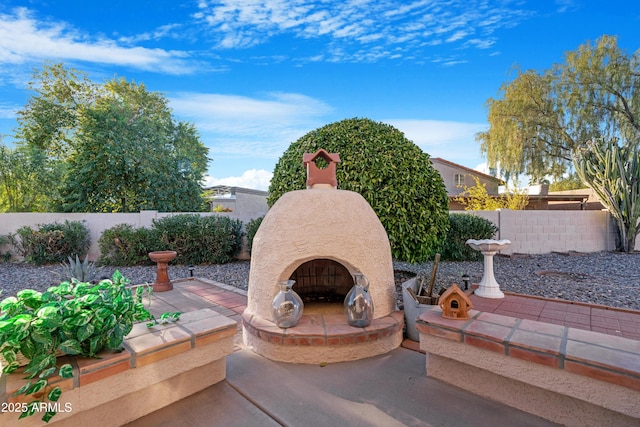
<point x="121" y="148"/>
<point x="392" y="173"/>
<point x="540" y="119"/>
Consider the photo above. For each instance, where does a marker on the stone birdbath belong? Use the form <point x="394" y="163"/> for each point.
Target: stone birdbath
<point x="488" y="287"/>
<point x="162" y="258"/>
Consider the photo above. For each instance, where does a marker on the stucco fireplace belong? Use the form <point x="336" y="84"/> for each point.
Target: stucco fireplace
<point x="320" y="237"/>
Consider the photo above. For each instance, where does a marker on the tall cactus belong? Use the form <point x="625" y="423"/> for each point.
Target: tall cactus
<point x="613" y="172"/>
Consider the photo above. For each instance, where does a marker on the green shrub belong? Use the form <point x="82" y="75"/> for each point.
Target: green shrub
<point x="392" y="173"/>
<point x="4" y="256"/>
<point x="125" y="245"/>
<point x="463" y="227"/>
<point x="251" y="229"/>
<point x="197" y="240"/>
<point x="51" y="243"/>
<point x="200" y="239"/>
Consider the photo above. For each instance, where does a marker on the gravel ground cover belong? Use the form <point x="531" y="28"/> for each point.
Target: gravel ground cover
<point x="606" y="278"/>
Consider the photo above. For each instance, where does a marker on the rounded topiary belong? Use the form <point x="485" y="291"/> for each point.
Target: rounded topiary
<point x="392" y="173"/>
<point x="463" y="227"/>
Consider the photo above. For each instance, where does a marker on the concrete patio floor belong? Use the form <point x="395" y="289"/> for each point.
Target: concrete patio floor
<point x="386" y="390"/>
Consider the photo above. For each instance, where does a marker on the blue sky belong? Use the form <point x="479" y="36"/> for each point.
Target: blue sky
<point x="256" y="75"/>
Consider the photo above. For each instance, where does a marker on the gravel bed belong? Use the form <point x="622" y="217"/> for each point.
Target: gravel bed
<point x="606" y="278"/>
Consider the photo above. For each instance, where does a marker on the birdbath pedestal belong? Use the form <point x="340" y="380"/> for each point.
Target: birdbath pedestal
<point x="488" y="287"/>
<point x="162" y="258"/>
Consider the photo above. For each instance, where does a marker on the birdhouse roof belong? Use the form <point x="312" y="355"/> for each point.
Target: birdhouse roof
<point x="455" y="290"/>
<point x="329" y="157"/>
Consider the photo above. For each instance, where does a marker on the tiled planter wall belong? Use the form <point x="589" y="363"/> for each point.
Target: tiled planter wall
<point x="570" y="376"/>
<point x="157" y="367"/>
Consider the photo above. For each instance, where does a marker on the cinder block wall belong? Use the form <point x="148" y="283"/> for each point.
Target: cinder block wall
<point x="538" y="232"/>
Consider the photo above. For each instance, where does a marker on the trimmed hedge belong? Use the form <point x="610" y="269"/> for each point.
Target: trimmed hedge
<point x="251" y="229"/>
<point x="392" y="174"/>
<point x="125" y="245"/>
<point x="197" y="240"/>
<point x="200" y="239"/>
<point x="463" y="227"/>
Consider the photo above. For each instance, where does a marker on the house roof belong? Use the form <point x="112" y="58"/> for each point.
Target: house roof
<point x="221" y="190"/>
<point x="466" y="169"/>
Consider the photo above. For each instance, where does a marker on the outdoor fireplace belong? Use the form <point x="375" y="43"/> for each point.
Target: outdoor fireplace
<point x="321" y="237"/>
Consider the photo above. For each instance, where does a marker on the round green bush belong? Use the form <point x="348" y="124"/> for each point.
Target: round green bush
<point x="392" y="173"/>
<point x="463" y="227"/>
<point x="251" y="228"/>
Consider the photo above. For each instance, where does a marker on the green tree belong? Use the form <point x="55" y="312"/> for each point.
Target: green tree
<point x="392" y="173"/>
<point x="130" y="155"/>
<point x="28" y="180"/>
<point x="118" y="143"/>
<point x="571" y="182"/>
<point x="613" y="172"/>
<point x="50" y="118"/>
<point x="541" y="118"/>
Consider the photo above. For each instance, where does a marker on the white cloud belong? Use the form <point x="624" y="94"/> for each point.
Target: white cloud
<point x="23" y="39"/>
<point x="453" y="141"/>
<point x="352" y="26"/>
<point x="8" y="112"/>
<point x="169" y="30"/>
<point x="257" y="179"/>
<point x="427" y="133"/>
<point x="239" y="125"/>
<point x="483" y="167"/>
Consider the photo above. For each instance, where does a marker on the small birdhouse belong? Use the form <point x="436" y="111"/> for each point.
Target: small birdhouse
<point x="455" y="304"/>
<point x="321" y="168"/>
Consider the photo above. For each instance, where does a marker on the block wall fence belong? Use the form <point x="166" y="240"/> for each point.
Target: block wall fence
<point x="530" y="232"/>
<point x="545" y="231"/>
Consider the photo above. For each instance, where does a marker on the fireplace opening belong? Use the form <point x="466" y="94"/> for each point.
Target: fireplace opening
<point x="322" y="282"/>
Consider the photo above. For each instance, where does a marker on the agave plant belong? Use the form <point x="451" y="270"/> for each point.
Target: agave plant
<point x="83" y="272"/>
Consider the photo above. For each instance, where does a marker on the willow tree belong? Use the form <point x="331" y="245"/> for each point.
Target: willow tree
<point x="540" y="119"/>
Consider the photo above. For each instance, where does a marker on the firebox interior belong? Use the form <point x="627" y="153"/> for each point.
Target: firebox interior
<point x="322" y="284"/>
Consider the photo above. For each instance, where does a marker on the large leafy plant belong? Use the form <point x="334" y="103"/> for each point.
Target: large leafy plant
<point x="75" y="318"/>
